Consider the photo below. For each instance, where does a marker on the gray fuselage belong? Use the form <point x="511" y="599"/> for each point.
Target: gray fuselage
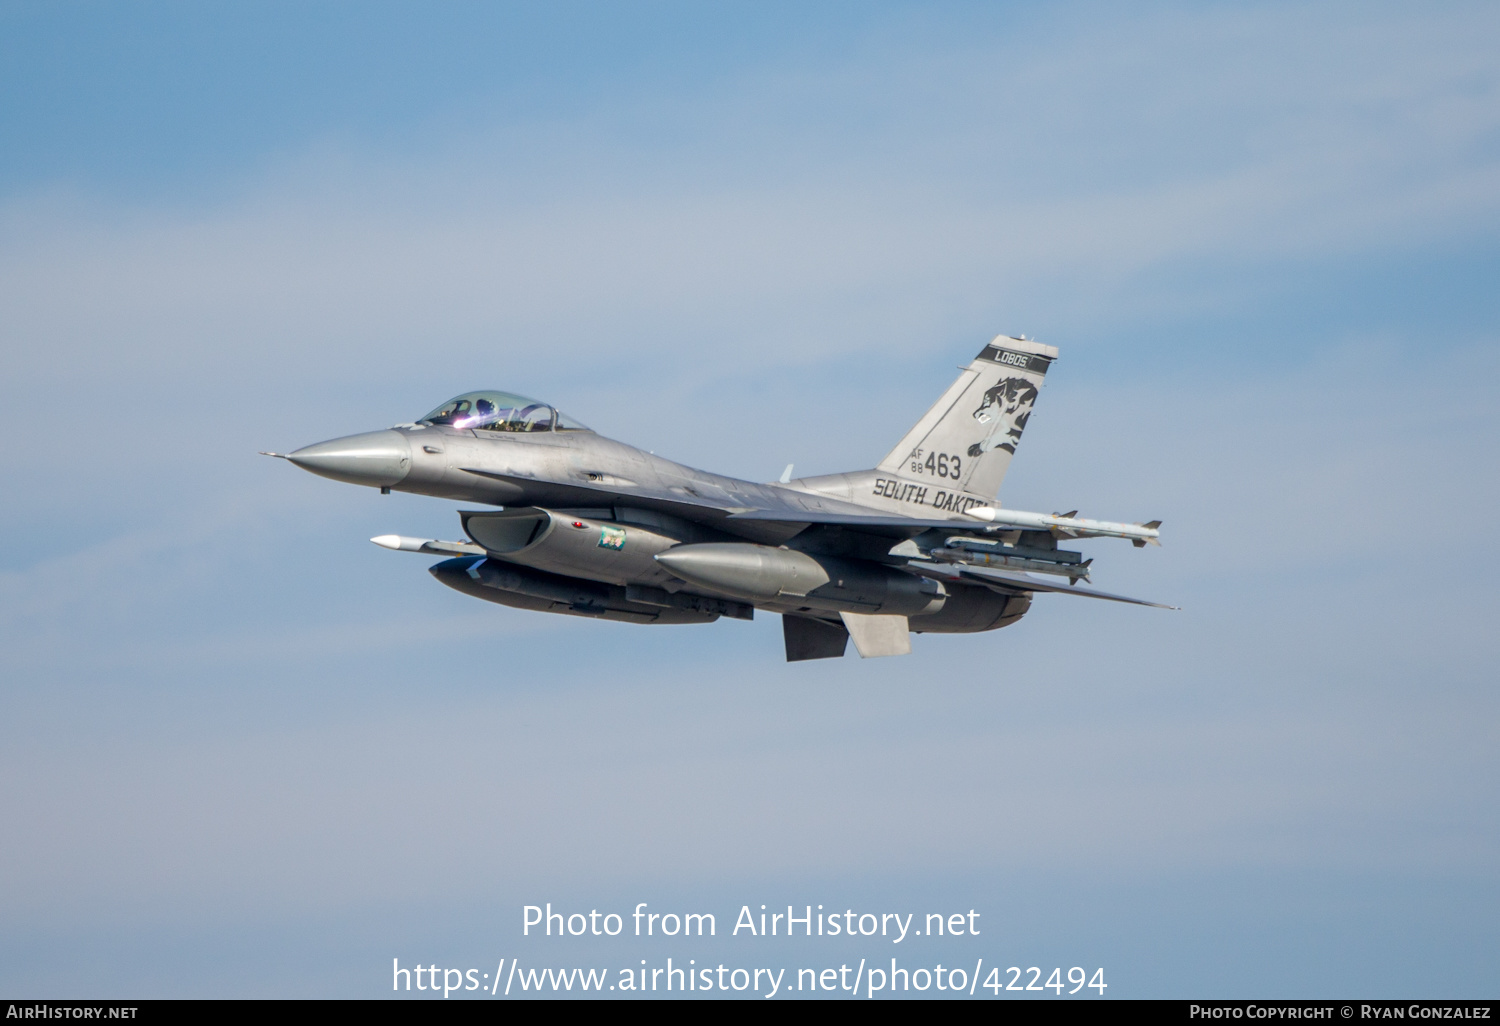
<point x="587" y="482"/>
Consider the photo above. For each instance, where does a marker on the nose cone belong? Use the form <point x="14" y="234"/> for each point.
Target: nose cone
<point x="378" y="459"/>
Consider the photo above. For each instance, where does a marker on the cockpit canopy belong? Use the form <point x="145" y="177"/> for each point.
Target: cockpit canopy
<point x="500" y="411"/>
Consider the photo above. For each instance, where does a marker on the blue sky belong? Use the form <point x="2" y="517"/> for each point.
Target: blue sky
<point x="243" y="752"/>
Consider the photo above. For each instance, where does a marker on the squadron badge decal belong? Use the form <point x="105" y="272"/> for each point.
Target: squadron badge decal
<point x="1014" y="398"/>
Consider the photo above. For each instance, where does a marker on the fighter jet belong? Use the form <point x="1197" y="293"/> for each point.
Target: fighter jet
<point x="581" y="524"/>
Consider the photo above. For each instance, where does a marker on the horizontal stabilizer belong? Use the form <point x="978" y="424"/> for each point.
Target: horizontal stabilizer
<point x="1003" y="580"/>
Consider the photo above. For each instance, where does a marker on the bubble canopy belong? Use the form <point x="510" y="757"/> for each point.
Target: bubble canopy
<point x="500" y="411"/>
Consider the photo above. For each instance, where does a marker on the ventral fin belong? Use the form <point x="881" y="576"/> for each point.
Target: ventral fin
<point x="878" y="634"/>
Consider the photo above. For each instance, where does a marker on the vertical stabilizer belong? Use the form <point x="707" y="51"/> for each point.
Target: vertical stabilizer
<point x="968" y="437"/>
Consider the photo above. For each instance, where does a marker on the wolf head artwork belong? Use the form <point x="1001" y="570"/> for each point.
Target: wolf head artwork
<point x="1007" y="406"/>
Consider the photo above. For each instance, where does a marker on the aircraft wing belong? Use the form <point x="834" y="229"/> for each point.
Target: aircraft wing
<point x="574" y="493"/>
<point x="1059" y="525"/>
<point x="784" y="512"/>
<point x="1008" y="581"/>
<point x="695" y="501"/>
<point x="872" y="523"/>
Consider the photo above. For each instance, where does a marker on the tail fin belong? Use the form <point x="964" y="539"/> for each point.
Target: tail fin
<point x="970" y="434"/>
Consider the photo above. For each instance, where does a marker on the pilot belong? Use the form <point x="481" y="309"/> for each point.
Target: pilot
<point x="485" y="413"/>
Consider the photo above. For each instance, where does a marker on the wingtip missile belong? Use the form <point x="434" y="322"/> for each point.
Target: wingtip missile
<point x="1068" y="525"/>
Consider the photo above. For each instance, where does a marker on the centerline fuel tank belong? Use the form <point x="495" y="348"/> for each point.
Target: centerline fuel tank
<point x="785" y="577"/>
